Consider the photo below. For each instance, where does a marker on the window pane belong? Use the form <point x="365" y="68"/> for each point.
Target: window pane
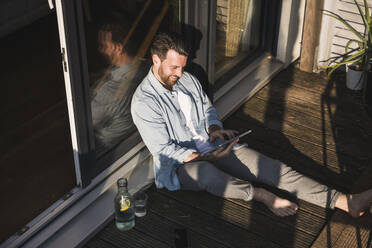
<point x="238" y="33"/>
<point x="36" y="158"/>
<point x="118" y="36"/>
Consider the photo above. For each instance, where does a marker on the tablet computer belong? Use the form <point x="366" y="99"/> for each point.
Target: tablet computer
<point x="229" y="141"/>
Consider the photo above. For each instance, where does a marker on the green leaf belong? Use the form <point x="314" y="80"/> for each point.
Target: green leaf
<point x="362" y="14"/>
<point x="367" y="18"/>
<point x="360" y="44"/>
<point x="354" y="55"/>
<point x="333" y="59"/>
<point x="366" y="12"/>
<point x="340" y="64"/>
<point x="349" y="60"/>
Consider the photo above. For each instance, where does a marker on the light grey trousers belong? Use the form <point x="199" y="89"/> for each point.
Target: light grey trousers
<point x="228" y="178"/>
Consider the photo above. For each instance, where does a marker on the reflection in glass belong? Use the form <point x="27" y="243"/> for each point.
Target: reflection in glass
<point x="36" y="157"/>
<point x="112" y="93"/>
<point x="119" y="34"/>
<point x="238" y="32"/>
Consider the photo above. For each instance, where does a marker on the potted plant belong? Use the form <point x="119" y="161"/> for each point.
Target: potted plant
<point x="355" y="59"/>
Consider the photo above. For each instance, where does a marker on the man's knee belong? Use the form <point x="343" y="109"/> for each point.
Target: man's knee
<point x="210" y="176"/>
<point x="195" y="170"/>
<point x="202" y="171"/>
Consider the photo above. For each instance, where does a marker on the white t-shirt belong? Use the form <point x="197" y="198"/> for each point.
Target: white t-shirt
<point x="202" y="145"/>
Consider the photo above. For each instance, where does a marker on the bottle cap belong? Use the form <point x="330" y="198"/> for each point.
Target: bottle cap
<point x="122" y="182"/>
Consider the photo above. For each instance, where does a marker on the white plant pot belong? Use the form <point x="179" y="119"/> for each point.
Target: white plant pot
<point x="355" y="79"/>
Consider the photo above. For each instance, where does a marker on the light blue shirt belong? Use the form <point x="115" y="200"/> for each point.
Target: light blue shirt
<point x="162" y="125"/>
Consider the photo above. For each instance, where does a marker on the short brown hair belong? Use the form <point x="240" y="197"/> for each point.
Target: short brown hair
<point x="164" y="42"/>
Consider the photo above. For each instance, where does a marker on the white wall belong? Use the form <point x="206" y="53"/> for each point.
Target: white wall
<point x="290" y="30"/>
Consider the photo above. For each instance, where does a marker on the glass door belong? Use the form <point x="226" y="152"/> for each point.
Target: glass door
<point x="238" y="33"/>
<point x="36" y="157"/>
<point x="107" y="45"/>
<point x="234" y="34"/>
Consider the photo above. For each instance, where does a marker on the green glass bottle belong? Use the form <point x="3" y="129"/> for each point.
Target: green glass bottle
<point x="124" y="207"/>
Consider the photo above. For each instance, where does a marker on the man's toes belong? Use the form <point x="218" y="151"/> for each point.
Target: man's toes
<point x="293" y="206"/>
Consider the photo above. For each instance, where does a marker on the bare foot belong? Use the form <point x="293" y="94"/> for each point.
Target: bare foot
<point x="277" y="205"/>
<point x="355" y="204"/>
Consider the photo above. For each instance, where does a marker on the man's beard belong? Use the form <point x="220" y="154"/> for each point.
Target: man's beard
<point x="168" y="79"/>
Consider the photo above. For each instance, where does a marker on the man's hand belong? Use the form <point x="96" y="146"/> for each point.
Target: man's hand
<point x="221" y="133"/>
<point x="219" y="153"/>
<point x="213" y="156"/>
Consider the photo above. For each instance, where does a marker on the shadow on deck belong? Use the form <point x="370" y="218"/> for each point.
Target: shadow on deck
<point x="315" y="125"/>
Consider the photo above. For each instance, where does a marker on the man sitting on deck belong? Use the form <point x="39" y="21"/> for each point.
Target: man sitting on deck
<point x="178" y="124"/>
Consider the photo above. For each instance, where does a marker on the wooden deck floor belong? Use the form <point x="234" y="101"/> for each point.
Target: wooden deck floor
<point x="313" y="124"/>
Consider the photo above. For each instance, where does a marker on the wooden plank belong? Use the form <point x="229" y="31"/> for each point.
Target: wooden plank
<point x="255" y="217"/>
<point x="288" y="114"/>
<point x="307" y="208"/>
<point x="163" y="229"/>
<point x="205" y="223"/>
<point x="265" y="141"/>
<point x="304" y="123"/>
<point x="318" y="112"/>
<point x="334" y="97"/>
<point x="346" y="142"/>
<point x="330" y="233"/>
<point x="331" y="90"/>
<point x="345" y="231"/>
<point x="307" y="211"/>
<point x="337" y="163"/>
<point x="310" y="39"/>
<point x="318" y="84"/>
<point x="314" y="92"/>
<point x="337" y="121"/>
<point x="356" y="235"/>
<point x="313" y="104"/>
<point x="292" y="76"/>
<point x="133" y="238"/>
<point x="98" y="243"/>
<point x="318" y="154"/>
